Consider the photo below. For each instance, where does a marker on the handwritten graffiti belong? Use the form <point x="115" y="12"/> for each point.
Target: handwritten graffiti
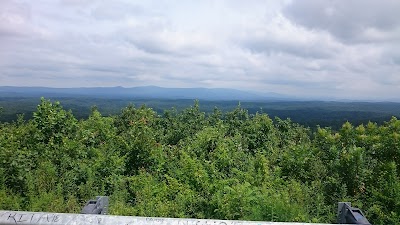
<point x="18" y="218"/>
<point x="29" y="218"/>
<point x="208" y="222"/>
<point x="48" y="218"/>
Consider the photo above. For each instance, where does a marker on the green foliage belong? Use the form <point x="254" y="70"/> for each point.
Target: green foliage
<point x="188" y="163"/>
<point x="53" y="123"/>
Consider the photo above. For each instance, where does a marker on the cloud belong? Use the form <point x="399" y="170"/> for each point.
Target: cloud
<point x="281" y="35"/>
<point x="14" y="19"/>
<point x="307" y="48"/>
<point x="349" y="21"/>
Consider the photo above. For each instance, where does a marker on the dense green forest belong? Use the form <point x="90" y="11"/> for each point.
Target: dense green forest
<point x="308" y="113"/>
<point x="189" y="163"/>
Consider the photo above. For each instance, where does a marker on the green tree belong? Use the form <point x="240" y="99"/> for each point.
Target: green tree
<point x="53" y="123"/>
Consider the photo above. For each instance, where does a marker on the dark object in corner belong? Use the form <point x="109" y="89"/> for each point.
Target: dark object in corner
<point x="350" y="215"/>
<point x="97" y="206"/>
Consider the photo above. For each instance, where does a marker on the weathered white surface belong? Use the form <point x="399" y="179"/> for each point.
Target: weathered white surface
<point x="39" y="218"/>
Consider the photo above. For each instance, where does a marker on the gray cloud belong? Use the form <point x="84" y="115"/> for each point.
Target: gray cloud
<point x="303" y="48"/>
<point x="354" y="20"/>
<point x="14" y="19"/>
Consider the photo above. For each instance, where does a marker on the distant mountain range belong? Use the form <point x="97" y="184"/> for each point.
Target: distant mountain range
<point x="144" y="92"/>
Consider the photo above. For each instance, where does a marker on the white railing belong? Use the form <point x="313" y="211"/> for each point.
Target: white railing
<point x="43" y="218"/>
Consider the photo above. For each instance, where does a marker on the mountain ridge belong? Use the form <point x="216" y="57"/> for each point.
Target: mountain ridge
<point x="153" y="92"/>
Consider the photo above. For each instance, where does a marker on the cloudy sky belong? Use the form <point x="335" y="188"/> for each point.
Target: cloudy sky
<point x="310" y="48"/>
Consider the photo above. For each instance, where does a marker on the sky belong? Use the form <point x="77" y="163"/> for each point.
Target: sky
<point x="305" y="48"/>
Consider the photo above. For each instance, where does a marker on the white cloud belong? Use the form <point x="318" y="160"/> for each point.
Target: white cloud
<point x="308" y="48"/>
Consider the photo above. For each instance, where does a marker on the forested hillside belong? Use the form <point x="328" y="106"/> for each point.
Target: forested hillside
<point x="231" y="165"/>
<point x="307" y="113"/>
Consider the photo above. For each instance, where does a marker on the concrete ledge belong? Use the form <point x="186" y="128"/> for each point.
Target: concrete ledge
<point x="43" y="218"/>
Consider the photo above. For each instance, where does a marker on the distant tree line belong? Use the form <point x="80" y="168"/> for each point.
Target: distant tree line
<point x="188" y="163"/>
<point x="309" y="114"/>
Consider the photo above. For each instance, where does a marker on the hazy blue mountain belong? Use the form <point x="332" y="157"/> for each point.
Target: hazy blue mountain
<point x="142" y="93"/>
